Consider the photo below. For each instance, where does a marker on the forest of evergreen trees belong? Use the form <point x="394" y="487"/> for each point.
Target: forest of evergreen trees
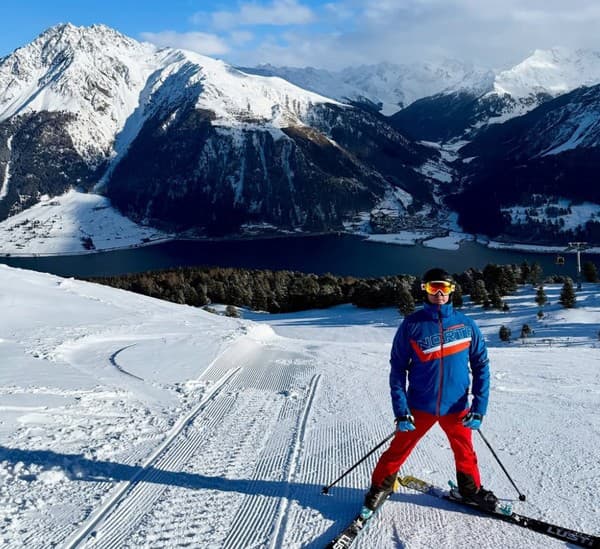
<point x="287" y="291"/>
<point x="263" y="290"/>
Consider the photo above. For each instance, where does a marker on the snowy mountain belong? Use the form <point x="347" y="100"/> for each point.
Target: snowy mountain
<point x="189" y="145"/>
<point x="131" y="422"/>
<point x="552" y="72"/>
<point x="461" y="112"/>
<point x="183" y="141"/>
<point x="94" y="73"/>
<point x="530" y="151"/>
<point x="540" y="169"/>
<point x="63" y="99"/>
<point x="385" y="87"/>
<point x="436" y="101"/>
<point x="544" y="75"/>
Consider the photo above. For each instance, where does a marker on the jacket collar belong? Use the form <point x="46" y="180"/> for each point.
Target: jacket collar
<point x="435" y="311"/>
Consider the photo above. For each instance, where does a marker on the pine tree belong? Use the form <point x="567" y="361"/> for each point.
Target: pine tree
<point x="500" y="277"/>
<point x="406" y="303"/>
<point x="504" y="333"/>
<point x="479" y="293"/>
<point x="232" y="311"/>
<point x="540" y="296"/>
<point x="525" y="331"/>
<point x="457" y="297"/>
<point x="568" y="298"/>
<point x="525" y="272"/>
<point x="496" y="299"/>
<point x="535" y="273"/>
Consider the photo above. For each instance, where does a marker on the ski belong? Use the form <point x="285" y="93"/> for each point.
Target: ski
<point x="349" y="534"/>
<point x="506" y="514"/>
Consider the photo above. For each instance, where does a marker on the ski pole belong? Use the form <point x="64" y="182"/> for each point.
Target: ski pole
<point x="325" y="489"/>
<point x="521" y="496"/>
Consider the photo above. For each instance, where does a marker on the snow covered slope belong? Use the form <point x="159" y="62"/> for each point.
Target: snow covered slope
<point x="554" y="72"/>
<point x="130" y="422"/>
<point x="72" y="223"/>
<point x="103" y="76"/>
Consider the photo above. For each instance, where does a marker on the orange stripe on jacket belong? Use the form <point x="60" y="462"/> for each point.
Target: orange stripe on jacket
<point x="438" y="352"/>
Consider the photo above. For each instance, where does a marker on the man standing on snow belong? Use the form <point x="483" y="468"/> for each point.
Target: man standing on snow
<point x="433" y="350"/>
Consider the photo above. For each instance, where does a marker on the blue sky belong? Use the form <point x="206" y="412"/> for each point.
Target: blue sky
<point x="329" y="34"/>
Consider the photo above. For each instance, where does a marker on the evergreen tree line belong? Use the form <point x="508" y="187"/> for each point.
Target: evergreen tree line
<point x="264" y="290"/>
<point x="288" y="291"/>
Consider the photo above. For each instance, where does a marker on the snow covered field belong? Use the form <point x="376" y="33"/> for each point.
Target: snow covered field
<point x="131" y="422"/>
<point x="67" y="223"/>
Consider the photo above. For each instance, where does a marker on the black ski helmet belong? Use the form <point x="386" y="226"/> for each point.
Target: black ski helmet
<point x="437" y="274"/>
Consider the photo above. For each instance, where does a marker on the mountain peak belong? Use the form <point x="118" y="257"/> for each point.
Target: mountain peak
<point x="93" y="72"/>
<point x="97" y="39"/>
<point x="69" y="33"/>
<point x="553" y="71"/>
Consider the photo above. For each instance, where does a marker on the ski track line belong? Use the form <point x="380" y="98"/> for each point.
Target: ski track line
<point x="328" y="451"/>
<point x="282" y="515"/>
<point x="157" y="524"/>
<point x="260" y="517"/>
<point x="125" y="486"/>
<point x="113" y="361"/>
<point x="143" y="495"/>
<point x="273" y="377"/>
<point x="244" y="346"/>
<point x="149" y="489"/>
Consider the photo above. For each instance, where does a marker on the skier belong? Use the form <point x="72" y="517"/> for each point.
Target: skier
<point x="432" y="351"/>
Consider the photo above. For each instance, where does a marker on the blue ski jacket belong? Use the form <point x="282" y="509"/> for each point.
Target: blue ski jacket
<point x="432" y="351"/>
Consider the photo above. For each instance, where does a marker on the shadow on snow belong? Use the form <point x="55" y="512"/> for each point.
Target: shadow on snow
<point x="340" y="506"/>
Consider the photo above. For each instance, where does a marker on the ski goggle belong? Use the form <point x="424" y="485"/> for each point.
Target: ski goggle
<point x="436" y="286"/>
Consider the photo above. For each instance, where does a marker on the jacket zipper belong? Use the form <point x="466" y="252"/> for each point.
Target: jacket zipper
<point x="441" y="327"/>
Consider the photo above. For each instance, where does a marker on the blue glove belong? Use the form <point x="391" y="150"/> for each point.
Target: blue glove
<point x="405" y="423"/>
<point x="472" y="420"/>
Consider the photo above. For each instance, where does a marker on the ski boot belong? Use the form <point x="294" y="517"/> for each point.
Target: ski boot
<point x="378" y="494"/>
<point x="471" y="493"/>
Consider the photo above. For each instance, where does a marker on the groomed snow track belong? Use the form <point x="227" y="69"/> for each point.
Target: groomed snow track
<point x="259" y="401"/>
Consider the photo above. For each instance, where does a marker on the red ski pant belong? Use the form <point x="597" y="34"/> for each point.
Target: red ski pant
<point x="403" y="444"/>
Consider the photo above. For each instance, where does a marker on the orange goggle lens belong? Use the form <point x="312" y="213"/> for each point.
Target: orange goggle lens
<point x="433" y="288"/>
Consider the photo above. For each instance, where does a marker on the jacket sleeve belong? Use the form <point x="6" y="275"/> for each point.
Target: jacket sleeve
<point x="400" y="361"/>
<point x="480" y="369"/>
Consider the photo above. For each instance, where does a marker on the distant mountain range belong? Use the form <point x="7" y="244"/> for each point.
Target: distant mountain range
<point x="385" y="87"/>
<point x="187" y="143"/>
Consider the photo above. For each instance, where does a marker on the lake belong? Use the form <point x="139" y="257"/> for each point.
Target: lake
<point x="336" y="254"/>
